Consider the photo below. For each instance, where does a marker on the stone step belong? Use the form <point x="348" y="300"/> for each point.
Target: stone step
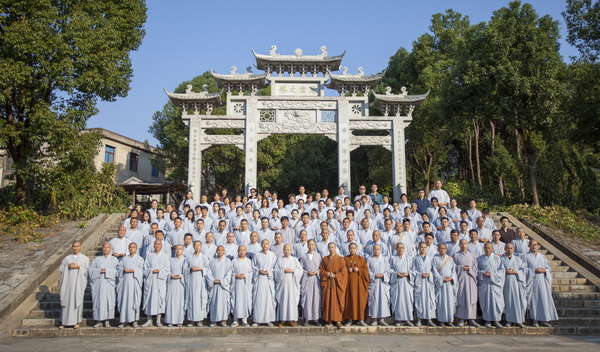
<point x="576" y="295"/>
<point x="312" y="330"/>
<point x="569" y="281"/>
<point x="55" y="304"/>
<point x="579" y="321"/>
<point x="56" y="296"/>
<point x="573" y="288"/>
<point x="572" y="303"/>
<point x="565" y="274"/>
<point x="558" y="269"/>
<point x="55" y="313"/>
<point x="578" y="312"/>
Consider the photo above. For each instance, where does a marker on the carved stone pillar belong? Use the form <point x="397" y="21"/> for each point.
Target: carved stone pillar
<point x="195" y="157"/>
<point x="398" y="159"/>
<point x="251" y="145"/>
<point x="343" y="139"/>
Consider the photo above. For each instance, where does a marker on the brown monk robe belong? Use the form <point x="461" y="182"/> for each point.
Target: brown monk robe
<point x="357" y="293"/>
<point x="334" y="277"/>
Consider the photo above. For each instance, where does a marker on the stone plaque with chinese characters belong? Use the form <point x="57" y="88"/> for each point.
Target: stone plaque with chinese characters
<point x="296" y="89"/>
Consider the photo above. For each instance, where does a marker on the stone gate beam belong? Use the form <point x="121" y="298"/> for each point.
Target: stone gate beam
<point x="343" y="139"/>
<point x="195" y="157"/>
<point x="251" y="146"/>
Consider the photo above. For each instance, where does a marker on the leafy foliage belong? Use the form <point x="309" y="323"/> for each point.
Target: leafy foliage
<point x="57" y="59"/>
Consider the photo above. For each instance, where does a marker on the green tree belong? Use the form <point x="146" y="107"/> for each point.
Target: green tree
<point x="518" y="67"/>
<point x="57" y="58"/>
<point x="583" y="23"/>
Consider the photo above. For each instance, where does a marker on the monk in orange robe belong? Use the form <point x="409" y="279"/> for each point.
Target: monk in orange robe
<point x="357" y="293"/>
<point x="334" y="277"/>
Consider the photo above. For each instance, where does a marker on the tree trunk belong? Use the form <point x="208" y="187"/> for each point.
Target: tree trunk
<point x="531" y="161"/>
<point x="520" y="157"/>
<point x="492" y="150"/>
<point x="471" y="159"/>
<point x="477" y="162"/>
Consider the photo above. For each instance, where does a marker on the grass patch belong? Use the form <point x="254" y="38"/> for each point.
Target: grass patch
<point x="24" y="225"/>
<point x="576" y="224"/>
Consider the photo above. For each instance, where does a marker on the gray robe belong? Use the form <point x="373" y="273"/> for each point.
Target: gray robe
<point x="220" y="299"/>
<point x="197" y="287"/>
<point x="241" y="289"/>
<point x="72" y="288"/>
<point x="263" y="293"/>
<point x="467" y="285"/>
<point x="445" y="292"/>
<point x="129" y="288"/>
<point x="155" y="284"/>
<point x="490" y="289"/>
<point x="401" y="288"/>
<point x="310" y="287"/>
<point x="424" y="287"/>
<point x="515" y="294"/>
<point x="287" y="288"/>
<point x="539" y="288"/>
<point x="379" y="288"/>
<point x="103" y="287"/>
<point x="175" y="307"/>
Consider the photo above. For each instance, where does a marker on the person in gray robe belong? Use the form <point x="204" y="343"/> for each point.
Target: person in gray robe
<point x="540" y="304"/>
<point x="175" y="305"/>
<point x="401" y="286"/>
<point x="134" y="234"/>
<point x="254" y="246"/>
<point x="220" y="286"/>
<point x="103" y="275"/>
<point x="490" y="284"/>
<point x="263" y="293"/>
<point x="277" y="247"/>
<point x="209" y="248"/>
<point x="287" y="273"/>
<point x="310" y="285"/>
<point x="322" y="245"/>
<point x="130" y="273"/>
<point x="73" y="281"/>
<point x="120" y="244"/>
<point x="446" y="286"/>
<point x="197" y="277"/>
<point x="379" y="287"/>
<point x="521" y="243"/>
<point x="421" y="269"/>
<point x="453" y="245"/>
<point x="241" y="287"/>
<point x="466" y="273"/>
<point x="475" y="246"/>
<point x="230" y="247"/>
<point x="301" y="247"/>
<point x="157" y="269"/>
<point x="515" y="294"/>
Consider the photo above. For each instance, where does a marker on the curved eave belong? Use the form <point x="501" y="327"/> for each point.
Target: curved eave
<point x="238" y="77"/>
<point x="194" y="97"/>
<point x="336" y="80"/>
<point x="334" y="61"/>
<point x="384" y="98"/>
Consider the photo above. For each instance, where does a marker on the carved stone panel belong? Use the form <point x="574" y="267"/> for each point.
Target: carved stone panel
<point x="297" y="105"/>
<point x="296" y="128"/>
<point x="223" y="139"/>
<point x="222" y="123"/>
<point x="370" y="125"/>
<point x="297" y="116"/>
<point x="371" y="140"/>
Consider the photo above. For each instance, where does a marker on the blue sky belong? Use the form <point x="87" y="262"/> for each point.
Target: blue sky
<point x="184" y="38"/>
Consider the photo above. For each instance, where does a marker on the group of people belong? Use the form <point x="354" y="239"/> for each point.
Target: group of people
<point x="319" y="259"/>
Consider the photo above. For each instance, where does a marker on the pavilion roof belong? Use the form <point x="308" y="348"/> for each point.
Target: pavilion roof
<point x="322" y="62"/>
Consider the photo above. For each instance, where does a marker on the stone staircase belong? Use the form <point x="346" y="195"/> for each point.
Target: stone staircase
<point x="577" y="301"/>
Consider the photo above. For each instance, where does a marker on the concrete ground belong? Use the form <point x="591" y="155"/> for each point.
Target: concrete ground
<point x="458" y="343"/>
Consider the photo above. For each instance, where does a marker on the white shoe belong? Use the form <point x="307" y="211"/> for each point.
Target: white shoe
<point x="382" y="322"/>
<point x="362" y="323"/>
<point x="234" y="324"/>
<point x="121" y="326"/>
<point x="98" y="325"/>
<point x="472" y="322"/>
<point x="254" y="325"/>
<point x="212" y="325"/>
<point x="135" y="324"/>
<point x="409" y="323"/>
<point x="430" y="323"/>
<point x="148" y="323"/>
<point x="244" y="322"/>
<point x="223" y="323"/>
<point x="374" y="323"/>
<point x="269" y="324"/>
<point x="107" y="324"/>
